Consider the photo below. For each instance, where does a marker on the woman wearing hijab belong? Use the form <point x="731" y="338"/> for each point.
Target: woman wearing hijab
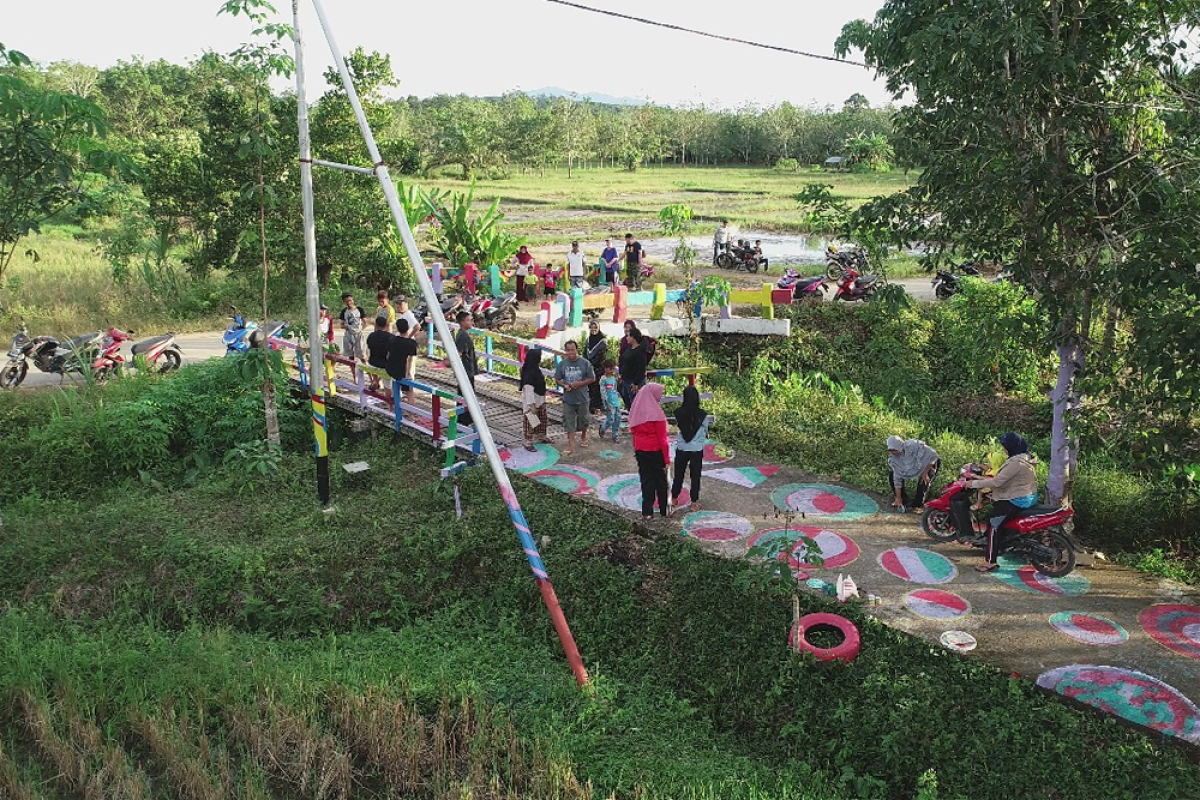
<point x="911" y="460"/>
<point x="1013" y="488"/>
<point x="651" y="448"/>
<point x="693" y="422"/>
<point x="533" y="398"/>
<point x="595" y="350"/>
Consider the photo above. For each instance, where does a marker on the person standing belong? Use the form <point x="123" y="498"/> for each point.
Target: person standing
<point x="402" y="351"/>
<point x="632" y="259"/>
<point x="911" y="460"/>
<point x="404" y="313"/>
<point x="386" y="309"/>
<point x="352" y="329"/>
<point x="533" y="399"/>
<point x="693" y="422"/>
<point x="651" y="448"/>
<point x="595" y="351"/>
<point x="524" y="262"/>
<point x="377" y="349"/>
<point x="633" y="367"/>
<point x="612" y="261"/>
<point x="612" y="401"/>
<point x="465" y="346"/>
<point x="720" y="239"/>
<point x="574" y="374"/>
<point x="576" y="271"/>
<point x="549" y="281"/>
<point x="326" y="323"/>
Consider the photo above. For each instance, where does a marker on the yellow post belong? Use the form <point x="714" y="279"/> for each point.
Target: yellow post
<point x="768" y="306"/>
<point x="660" y="301"/>
<point x="330" y="388"/>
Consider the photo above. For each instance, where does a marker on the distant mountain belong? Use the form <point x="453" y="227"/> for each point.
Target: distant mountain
<point x="595" y="97"/>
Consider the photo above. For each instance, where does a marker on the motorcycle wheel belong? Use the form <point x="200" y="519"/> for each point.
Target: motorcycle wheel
<point x="101" y="374"/>
<point x="12" y="374"/>
<point x="724" y="260"/>
<point x="752" y="266"/>
<point x="1064" y="559"/>
<point x="944" y="292"/>
<point x="834" y="270"/>
<point x="938" y="525"/>
<point x="170" y="361"/>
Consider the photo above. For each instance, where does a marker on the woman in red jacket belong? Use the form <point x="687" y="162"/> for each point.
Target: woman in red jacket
<point x="651" y="448"/>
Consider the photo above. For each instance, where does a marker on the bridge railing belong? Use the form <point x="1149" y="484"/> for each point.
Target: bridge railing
<point x="441" y="419"/>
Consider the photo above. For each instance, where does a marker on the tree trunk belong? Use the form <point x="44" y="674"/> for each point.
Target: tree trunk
<point x="1058" y="482"/>
<point x="270" y="406"/>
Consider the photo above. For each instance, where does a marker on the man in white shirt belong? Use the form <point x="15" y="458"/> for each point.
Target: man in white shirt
<point x="404" y="313"/>
<point x="575" y="268"/>
<point x="720" y="239"/>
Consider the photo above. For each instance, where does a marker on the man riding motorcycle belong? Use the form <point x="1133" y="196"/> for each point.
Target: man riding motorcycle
<point x="1013" y="487"/>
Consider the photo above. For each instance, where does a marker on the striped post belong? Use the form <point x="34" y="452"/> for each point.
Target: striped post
<point x="430" y="341"/>
<point x="436" y="276"/>
<point x="620" y="303"/>
<point x="470" y="277"/>
<point x="576" y="307"/>
<point x="543" y="321"/>
<point x="494" y="279"/>
<point x="487" y="353"/>
<point x="451" y="435"/>
<point x="767" y="306"/>
<point x="437" y="416"/>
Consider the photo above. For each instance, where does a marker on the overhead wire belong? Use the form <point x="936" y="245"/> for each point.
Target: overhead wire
<point x="735" y="40"/>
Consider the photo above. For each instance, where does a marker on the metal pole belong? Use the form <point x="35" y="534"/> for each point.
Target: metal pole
<point x="316" y="348"/>
<point x="467" y="390"/>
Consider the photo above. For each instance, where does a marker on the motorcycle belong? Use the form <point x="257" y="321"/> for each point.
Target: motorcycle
<point x="449" y="305"/>
<point x="838" y="261"/>
<point x="110" y="360"/>
<point x="740" y="256"/>
<point x="946" y="282"/>
<point x="47" y="354"/>
<point x="855" y="286"/>
<point x="245" y="334"/>
<point x="494" y="313"/>
<point x="803" y="288"/>
<point x="1043" y="535"/>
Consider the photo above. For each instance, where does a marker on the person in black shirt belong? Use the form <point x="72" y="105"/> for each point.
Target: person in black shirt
<point x="400" y="349"/>
<point x="633" y="260"/>
<point x="377" y="349"/>
<point x="633" y="367"/>
<point x="465" y="346"/>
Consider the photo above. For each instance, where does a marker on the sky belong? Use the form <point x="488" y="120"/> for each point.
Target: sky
<point x="488" y="47"/>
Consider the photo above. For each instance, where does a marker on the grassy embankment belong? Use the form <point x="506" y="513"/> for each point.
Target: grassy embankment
<point x="210" y="638"/>
<point x="70" y="287"/>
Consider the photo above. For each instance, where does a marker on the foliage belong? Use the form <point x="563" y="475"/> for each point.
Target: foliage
<point x="675" y="220"/>
<point x="822" y="212"/>
<point x="462" y="238"/>
<point x="868" y="152"/>
<point x="787" y="165"/>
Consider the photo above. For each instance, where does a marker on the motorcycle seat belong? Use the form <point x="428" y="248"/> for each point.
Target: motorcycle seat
<point x="807" y="283"/>
<point x="79" y="342"/>
<point x="147" y="344"/>
<point x="866" y="280"/>
<point x="507" y="297"/>
<point x="1035" y="511"/>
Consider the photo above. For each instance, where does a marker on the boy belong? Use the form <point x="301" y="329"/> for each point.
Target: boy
<point x="465" y="346"/>
<point x="352" y="324"/>
<point x="402" y="349"/>
<point x="611" y="399"/>
<point x="549" y="281"/>
<point x="377" y="349"/>
<point x="386" y="309"/>
<point x="762" y="262"/>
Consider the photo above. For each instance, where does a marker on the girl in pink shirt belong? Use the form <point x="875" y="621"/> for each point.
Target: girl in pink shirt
<point x="651" y="447"/>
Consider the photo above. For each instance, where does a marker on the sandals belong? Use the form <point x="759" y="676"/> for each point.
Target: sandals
<point x="986" y="568"/>
<point x="531" y="448"/>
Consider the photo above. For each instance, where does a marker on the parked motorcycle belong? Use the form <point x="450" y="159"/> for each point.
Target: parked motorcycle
<point x="160" y="352"/>
<point x="47" y="354"/>
<point x="803" y="288"/>
<point x="854" y="286"/>
<point x="449" y="305"/>
<point x="838" y="261"/>
<point x="1042" y="535"/>
<point x="946" y="283"/>
<point x="494" y="312"/>
<point x="244" y="334"/>
<point x="740" y="256"/>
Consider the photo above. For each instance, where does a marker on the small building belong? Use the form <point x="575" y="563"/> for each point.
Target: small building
<point x="835" y="162"/>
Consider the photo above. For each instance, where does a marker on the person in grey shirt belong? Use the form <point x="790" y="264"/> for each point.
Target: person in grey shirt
<point x="911" y="460"/>
<point x="574" y="375"/>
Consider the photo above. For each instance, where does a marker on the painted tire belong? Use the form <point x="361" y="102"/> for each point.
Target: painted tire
<point x="846" y="652"/>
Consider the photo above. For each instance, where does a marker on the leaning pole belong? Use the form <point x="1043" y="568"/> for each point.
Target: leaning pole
<point x="316" y="348"/>
<point x="443" y="332"/>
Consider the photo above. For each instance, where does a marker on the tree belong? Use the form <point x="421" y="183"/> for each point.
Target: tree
<point x="1043" y="133"/>
<point x="49" y="140"/>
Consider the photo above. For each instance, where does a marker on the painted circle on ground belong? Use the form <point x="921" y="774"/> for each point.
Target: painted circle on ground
<point x="823" y="500"/>
<point x="916" y="565"/>
<point x="611" y="455"/>
<point x="936" y="604"/>
<point x="716" y="526"/>
<point x="837" y="549"/>
<point x="1174" y="626"/>
<point x="625" y="490"/>
<point x="1016" y="573"/>
<point x="711" y="456"/>
<point x="958" y="640"/>
<point x="1088" y="628"/>
<point x="518" y="459"/>
<point x="815" y="583"/>
<point x="1128" y="694"/>
<point x="572" y="480"/>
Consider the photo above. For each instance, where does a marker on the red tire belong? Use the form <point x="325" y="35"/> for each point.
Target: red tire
<point x="846" y="652"/>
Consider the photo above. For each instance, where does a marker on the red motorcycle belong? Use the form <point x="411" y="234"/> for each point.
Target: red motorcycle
<point x="1042" y="534"/>
<point x="160" y="351"/>
<point x="853" y="285"/>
